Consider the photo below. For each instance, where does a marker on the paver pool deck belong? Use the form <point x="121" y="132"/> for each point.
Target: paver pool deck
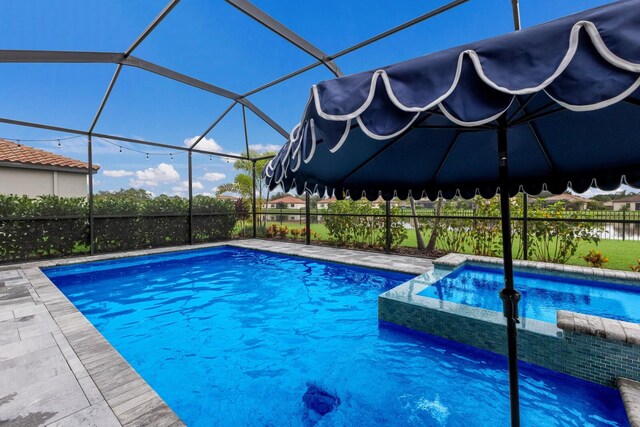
<point x="56" y="369"/>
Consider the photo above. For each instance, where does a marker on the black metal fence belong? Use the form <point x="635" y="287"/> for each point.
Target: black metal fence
<point x="28" y="238"/>
<point x="612" y="225"/>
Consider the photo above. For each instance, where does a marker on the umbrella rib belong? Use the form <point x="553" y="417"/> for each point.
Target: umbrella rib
<point x="536" y="135"/>
<point x="380" y="151"/>
<point x="444" y="159"/>
<point x="535" y="116"/>
<point x="632" y="101"/>
<point x="521" y="107"/>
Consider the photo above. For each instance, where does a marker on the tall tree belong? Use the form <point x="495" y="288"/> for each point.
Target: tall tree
<point x="416" y="224"/>
<point x="431" y="246"/>
<point x="243" y="182"/>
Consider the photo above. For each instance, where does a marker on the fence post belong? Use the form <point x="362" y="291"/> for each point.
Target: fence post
<point x="387" y="227"/>
<point x="190" y="197"/>
<point x="525" y="226"/>
<point x="307" y="207"/>
<point x="92" y="244"/>
<point x="253" y="198"/>
<point x="624" y="225"/>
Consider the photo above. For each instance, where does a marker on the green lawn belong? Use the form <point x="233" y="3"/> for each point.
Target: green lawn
<point x="621" y="254"/>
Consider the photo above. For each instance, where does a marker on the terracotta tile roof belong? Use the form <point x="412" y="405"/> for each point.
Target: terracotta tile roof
<point x="12" y="152"/>
<point x="329" y="200"/>
<point x="288" y="199"/>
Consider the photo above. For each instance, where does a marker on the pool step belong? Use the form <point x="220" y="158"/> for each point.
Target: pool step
<point x="630" y="393"/>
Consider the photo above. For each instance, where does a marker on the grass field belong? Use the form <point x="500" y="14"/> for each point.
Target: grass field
<point x="621" y="254"/>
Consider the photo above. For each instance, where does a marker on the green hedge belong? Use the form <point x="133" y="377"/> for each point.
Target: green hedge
<point x="52" y="226"/>
<point x="47" y="226"/>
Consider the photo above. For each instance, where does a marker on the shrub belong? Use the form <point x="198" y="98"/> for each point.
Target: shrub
<point x="42" y="227"/>
<point x="636" y="267"/>
<point x="360" y="224"/>
<point x="453" y="233"/>
<point x="129" y="219"/>
<point x="595" y="258"/>
<point x="553" y="240"/>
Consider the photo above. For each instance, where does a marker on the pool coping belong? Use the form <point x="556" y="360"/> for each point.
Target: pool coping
<point x="405" y="297"/>
<point x="114" y="393"/>
<point x="610" y="329"/>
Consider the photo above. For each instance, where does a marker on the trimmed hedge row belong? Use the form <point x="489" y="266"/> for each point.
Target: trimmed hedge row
<point x="52" y="226"/>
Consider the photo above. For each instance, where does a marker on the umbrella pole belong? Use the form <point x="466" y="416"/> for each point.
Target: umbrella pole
<point x="509" y="295"/>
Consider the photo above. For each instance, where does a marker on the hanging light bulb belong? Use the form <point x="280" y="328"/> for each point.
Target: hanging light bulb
<point x="171" y="156"/>
<point x="59" y="144"/>
<point x="210" y="158"/>
<point x="147" y="156"/>
<point x="19" y="144"/>
<point x="120" y="149"/>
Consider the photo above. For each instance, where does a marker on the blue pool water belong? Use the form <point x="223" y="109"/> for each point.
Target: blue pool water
<point x="238" y="337"/>
<point x="542" y="294"/>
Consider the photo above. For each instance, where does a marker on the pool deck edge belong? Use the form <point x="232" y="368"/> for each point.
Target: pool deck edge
<point x="60" y="371"/>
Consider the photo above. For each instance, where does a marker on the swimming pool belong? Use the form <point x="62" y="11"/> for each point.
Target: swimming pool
<point x="542" y="294"/>
<point x="231" y="336"/>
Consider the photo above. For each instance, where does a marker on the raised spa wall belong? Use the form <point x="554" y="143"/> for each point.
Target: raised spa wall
<point x="589" y="347"/>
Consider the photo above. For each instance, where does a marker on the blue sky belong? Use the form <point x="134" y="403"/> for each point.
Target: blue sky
<point x="212" y="41"/>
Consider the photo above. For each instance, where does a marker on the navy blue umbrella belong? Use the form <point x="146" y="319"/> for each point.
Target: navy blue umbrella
<point x="550" y="107"/>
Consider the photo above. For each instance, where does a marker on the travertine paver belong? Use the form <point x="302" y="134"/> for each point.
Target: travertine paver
<point x="57" y="369"/>
<point x="404" y="264"/>
<point x="38" y="385"/>
<point x="630" y="392"/>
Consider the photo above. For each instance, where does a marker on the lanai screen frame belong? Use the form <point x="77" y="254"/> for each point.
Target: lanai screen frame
<point x="126" y="59"/>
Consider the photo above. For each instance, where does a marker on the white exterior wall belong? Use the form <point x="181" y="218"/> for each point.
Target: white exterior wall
<point x="619" y="205"/>
<point x="287" y="205"/>
<point x="33" y="182"/>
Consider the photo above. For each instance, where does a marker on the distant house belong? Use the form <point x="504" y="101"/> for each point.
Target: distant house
<point x="633" y="202"/>
<point x="426" y="204"/>
<point x="324" y="203"/>
<point x="381" y="202"/>
<point x="571" y="201"/>
<point x="231" y="198"/>
<point x="288" y="202"/>
<point x="31" y="172"/>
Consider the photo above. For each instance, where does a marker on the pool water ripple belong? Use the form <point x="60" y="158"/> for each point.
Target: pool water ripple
<point x="237" y="337"/>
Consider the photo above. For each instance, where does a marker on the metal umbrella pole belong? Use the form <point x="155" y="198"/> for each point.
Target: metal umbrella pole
<point x="510" y="297"/>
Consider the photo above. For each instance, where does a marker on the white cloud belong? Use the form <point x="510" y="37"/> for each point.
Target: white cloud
<point x="265" y="147"/>
<point x="151" y="177"/>
<point x="214" y="176"/>
<point x="206" y="144"/>
<point x="119" y="173"/>
<point x="184" y="186"/>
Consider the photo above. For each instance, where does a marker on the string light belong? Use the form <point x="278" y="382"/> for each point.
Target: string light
<point x="121" y="148"/>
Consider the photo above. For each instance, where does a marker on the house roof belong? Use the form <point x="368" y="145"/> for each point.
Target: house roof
<point x="18" y="155"/>
<point x="223" y="197"/>
<point x="569" y="198"/>
<point x="287" y="199"/>
<point x="634" y="198"/>
<point x="329" y="200"/>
